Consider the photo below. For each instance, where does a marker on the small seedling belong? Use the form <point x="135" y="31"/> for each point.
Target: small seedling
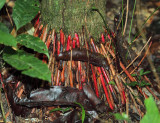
<point x="142" y="83"/>
<point x="83" y="111"/>
<point x="143" y="73"/>
<point x="112" y="83"/>
<point x="122" y="116"/>
<point x="63" y="110"/>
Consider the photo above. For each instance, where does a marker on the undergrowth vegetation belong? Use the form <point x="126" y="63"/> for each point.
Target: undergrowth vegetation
<point x="12" y="54"/>
<point x="24" y="12"/>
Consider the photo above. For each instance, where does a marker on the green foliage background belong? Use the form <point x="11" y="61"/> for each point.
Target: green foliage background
<point x="23" y="12"/>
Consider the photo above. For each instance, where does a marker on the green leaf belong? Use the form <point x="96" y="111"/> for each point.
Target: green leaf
<point x="27" y="63"/>
<point x="83" y="111"/>
<point x="143" y="83"/>
<point x="24" y="11"/>
<point x="133" y="75"/>
<point x="152" y="114"/>
<point x="94" y="9"/>
<point x="60" y="109"/>
<point x="139" y="77"/>
<point x="34" y="43"/>
<point x="146" y="72"/>
<point x="112" y="83"/>
<point x="7" y="39"/>
<point x="141" y="72"/>
<point x="122" y="116"/>
<point x="55" y="109"/>
<point x="2" y="2"/>
<point x="132" y="84"/>
<point x="4" y="28"/>
<point x="66" y="109"/>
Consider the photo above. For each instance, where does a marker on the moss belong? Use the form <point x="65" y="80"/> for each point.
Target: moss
<point x="71" y="15"/>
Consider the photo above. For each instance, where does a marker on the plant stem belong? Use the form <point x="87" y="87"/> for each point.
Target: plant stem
<point x="129" y="39"/>
<point x="145" y="23"/>
<point x="131" y="22"/>
<point x="104" y="21"/>
<point x="122" y="17"/>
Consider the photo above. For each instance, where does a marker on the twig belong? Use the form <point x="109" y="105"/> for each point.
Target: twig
<point x="50" y="61"/>
<point x="114" y="73"/>
<point x="126" y="18"/>
<point x="111" y="98"/>
<point x="44" y="34"/>
<point x="101" y="71"/>
<point x="137" y="55"/>
<point x="20" y="92"/>
<point x="9" y="15"/>
<point x="141" y="59"/>
<point x="7" y="114"/>
<point x="127" y="103"/>
<point x="132" y="79"/>
<point x="137" y="67"/>
<point x="152" y="92"/>
<point x="153" y="68"/>
<point x="131" y="90"/>
<point x="139" y="111"/>
<point x="140" y="26"/>
<point x="127" y="73"/>
<point x="132" y="21"/>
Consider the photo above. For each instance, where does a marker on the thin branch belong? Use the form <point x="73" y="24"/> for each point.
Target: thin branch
<point x="137" y="55"/>
<point x="126" y="18"/>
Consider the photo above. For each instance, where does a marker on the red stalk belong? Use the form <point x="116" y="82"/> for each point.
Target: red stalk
<point x="48" y="41"/>
<point x="61" y="37"/>
<point x="79" y="63"/>
<point x="103" y="70"/>
<point x="77" y="39"/>
<point x="83" y="79"/>
<point x="107" y="79"/>
<point x="68" y="42"/>
<point x="109" y="37"/>
<point x="74" y="43"/>
<point x="37" y="25"/>
<point x="102" y="38"/>
<point x="104" y="87"/>
<point x="95" y="81"/>
<point x="101" y="76"/>
<point x="57" y="79"/>
<point x="62" y="73"/>
<point x="58" y="48"/>
<point x="93" y="45"/>
<point x="37" y="22"/>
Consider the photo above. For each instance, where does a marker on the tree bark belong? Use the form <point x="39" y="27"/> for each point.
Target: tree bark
<point x="73" y="15"/>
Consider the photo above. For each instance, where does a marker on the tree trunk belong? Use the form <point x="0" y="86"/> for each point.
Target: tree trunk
<point x="73" y="15"/>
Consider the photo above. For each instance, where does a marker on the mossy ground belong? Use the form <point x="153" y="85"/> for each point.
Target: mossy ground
<point x="72" y="15"/>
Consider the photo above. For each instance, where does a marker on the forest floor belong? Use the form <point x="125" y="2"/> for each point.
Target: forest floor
<point x="150" y="32"/>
